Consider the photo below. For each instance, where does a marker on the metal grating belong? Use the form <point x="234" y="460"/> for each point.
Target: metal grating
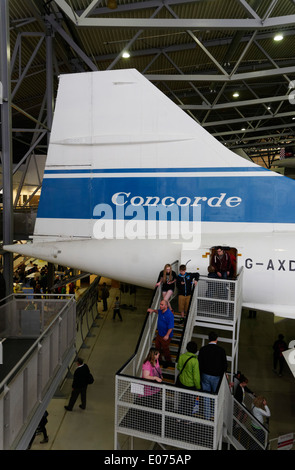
<point x="216" y="299"/>
<point x="178" y="417"/>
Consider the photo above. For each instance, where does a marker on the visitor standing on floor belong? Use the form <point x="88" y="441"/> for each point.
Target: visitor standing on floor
<point x="279" y="347"/>
<point x="105" y="295"/>
<point x="80" y="383"/>
<point x="117" y="309"/>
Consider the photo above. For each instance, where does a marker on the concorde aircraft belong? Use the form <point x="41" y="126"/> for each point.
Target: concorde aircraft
<point x="132" y="182"/>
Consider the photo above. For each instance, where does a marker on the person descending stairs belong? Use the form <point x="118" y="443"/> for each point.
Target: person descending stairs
<point x="168" y="369"/>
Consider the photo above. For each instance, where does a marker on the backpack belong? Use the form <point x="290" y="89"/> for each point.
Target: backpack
<point x="90" y="379"/>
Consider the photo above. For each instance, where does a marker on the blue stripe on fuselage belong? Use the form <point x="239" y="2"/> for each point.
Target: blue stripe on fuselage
<point x="262" y="199"/>
<point x="155" y="170"/>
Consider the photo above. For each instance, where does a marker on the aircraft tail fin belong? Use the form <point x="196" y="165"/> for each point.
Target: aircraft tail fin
<point x="112" y="129"/>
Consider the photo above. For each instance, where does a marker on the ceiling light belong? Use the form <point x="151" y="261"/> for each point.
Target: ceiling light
<point x="112" y="4"/>
<point x="126" y="55"/>
<point x="236" y="94"/>
<point x="278" y="37"/>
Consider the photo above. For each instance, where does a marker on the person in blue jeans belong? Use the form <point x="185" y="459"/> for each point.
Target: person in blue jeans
<point x="165" y="327"/>
<point x="213" y="365"/>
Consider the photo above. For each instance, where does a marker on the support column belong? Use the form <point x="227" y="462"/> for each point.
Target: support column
<point x="6" y="143"/>
<point x="49" y="79"/>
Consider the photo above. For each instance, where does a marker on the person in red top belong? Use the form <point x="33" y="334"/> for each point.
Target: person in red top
<point x="222" y="263"/>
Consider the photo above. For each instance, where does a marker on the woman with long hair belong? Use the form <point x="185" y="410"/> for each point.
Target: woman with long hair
<point x="261" y="411"/>
<point x="151" y="369"/>
<point x="167" y="279"/>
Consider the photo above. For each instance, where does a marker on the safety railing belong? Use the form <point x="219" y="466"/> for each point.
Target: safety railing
<point x="26" y="390"/>
<point x="219" y="305"/>
<point x="186" y="419"/>
<point x="145" y="339"/>
<point x="148" y="331"/>
<point x="219" y="299"/>
<point x="24" y="316"/>
<point x="189" y="322"/>
<point x="247" y="432"/>
<point x="168" y="414"/>
<point x="86" y="313"/>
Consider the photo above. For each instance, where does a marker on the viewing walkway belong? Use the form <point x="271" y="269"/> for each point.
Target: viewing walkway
<point x="37" y="344"/>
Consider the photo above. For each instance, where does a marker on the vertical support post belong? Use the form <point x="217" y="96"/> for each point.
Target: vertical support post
<point x="25" y="394"/>
<point x="49" y="79"/>
<point x="6" y="144"/>
<point x="116" y="414"/>
<point x="39" y="372"/>
<point x="6" y="419"/>
<point x="60" y="343"/>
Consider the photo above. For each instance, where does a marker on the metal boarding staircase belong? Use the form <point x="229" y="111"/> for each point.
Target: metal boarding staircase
<point x="184" y="419"/>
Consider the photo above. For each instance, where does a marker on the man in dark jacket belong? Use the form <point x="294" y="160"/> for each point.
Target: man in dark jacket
<point x="80" y="382"/>
<point x="213" y="365"/>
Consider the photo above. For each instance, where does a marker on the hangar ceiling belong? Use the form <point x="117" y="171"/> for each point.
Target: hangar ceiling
<point x="199" y="53"/>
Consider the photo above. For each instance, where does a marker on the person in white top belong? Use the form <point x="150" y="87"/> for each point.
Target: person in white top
<point x="261" y="411"/>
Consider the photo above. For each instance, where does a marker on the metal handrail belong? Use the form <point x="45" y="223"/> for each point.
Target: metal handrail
<point x="37" y="342"/>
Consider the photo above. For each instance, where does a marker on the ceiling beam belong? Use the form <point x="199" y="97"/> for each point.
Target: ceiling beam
<point x="56" y="26"/>
<point x="261" y="129"/>
<point x="205" y="107"/>
<point x="183" y="24"/>
<point x="263" y="117"/>
<point x="220" y="78"/>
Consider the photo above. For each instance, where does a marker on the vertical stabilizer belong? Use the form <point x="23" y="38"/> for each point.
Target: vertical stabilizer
<point x="120" y="147"/>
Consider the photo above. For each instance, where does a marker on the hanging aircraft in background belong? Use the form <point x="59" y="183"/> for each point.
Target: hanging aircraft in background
<point x="132" y="182"/>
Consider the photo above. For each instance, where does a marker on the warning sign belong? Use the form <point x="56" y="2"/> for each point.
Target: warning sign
<point x="286" y="442"/>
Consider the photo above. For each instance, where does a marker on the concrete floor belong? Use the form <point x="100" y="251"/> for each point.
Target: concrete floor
<point x="111" y="345"/>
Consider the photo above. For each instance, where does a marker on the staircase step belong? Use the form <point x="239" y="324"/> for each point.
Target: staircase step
<point x="169" y="372"/>
<point x="174" y="347"/>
